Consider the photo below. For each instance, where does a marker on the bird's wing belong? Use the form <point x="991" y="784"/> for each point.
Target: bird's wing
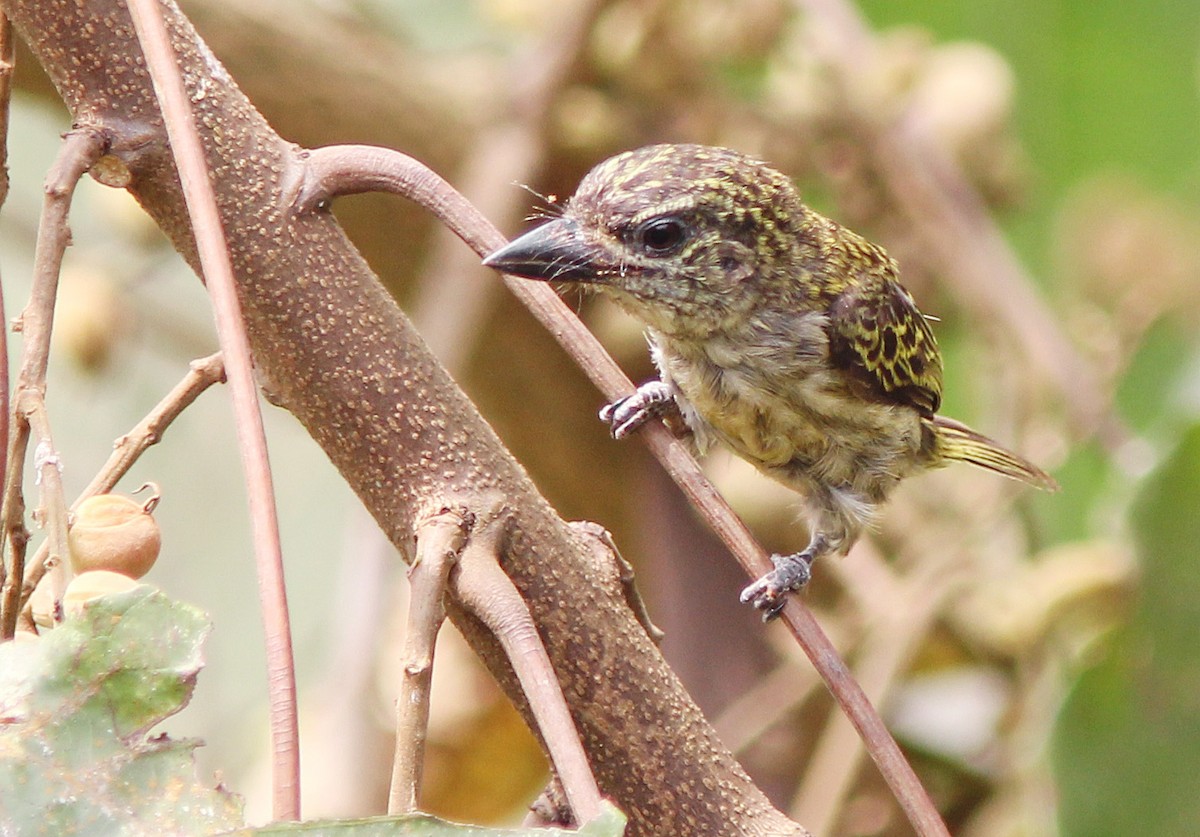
<point x="879" y="336"/>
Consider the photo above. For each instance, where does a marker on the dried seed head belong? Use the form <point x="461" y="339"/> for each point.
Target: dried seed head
<point x="114" y="532"/>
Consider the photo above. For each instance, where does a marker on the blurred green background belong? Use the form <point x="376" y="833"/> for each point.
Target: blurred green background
<point x="1108" y="108"/>
<point x="1075" y="627"/>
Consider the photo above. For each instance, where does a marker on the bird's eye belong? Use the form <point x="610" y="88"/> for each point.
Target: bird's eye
<point x="661" y="236"/>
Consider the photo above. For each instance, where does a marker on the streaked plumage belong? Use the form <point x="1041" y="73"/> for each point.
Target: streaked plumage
<point x="775" y="331"/>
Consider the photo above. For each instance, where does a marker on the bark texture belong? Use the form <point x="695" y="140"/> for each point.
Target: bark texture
<point x="340" y="355"/>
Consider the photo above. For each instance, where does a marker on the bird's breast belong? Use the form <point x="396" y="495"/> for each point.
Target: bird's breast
<point x="787" y="410"/>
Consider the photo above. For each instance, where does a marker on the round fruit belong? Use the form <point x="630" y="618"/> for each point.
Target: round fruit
<point x="114" y="532"/>
<point x="87" y="586"/>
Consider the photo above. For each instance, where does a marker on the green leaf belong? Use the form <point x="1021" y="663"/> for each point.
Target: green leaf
<point x="610" y="823"/>
<point x="75" y="707"/>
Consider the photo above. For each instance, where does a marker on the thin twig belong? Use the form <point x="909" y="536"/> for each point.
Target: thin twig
<point x="489" y="594"/>
<point x="79" y="150"/>
<point x="215" y="263"/>
<point x="201" y="374"/>
<point x="352" y="169"/>
<point x="6" y="74"/>
<point x="898" y="623"/>
<point x="6" y="71"/>
<point x="439" y="540"/>
<point x="52" y="501"/>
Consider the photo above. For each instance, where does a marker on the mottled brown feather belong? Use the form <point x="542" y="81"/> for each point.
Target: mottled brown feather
<point x="877" y="333"/>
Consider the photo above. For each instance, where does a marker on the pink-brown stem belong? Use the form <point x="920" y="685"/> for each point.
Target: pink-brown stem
<point x="491" y="596"/>
<point x="215" y="264"/>
<point x="6" y="70"/>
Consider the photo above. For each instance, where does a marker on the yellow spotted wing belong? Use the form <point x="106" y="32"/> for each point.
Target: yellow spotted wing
<point x="878" y="336"/>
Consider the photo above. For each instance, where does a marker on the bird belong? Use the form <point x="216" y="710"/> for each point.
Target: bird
<point x="775" y="331"/>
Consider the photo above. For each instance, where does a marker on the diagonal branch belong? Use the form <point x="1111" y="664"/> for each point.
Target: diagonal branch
<point x="896" y="627"/>
<point x="353" y="169"/>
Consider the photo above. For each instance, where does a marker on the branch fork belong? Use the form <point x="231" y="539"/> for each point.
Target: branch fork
<point x="459" y="549"/>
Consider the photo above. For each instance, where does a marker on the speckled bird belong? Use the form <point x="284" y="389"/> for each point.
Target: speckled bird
<point x="775" y="331"/>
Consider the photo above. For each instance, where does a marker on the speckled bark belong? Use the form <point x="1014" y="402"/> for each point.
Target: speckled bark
<point x="342" y="357"/>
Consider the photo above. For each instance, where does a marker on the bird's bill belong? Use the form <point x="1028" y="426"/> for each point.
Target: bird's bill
<point x="552" y="252"/>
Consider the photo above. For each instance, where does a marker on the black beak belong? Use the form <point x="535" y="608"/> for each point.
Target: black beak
<point x="553" y="252"/>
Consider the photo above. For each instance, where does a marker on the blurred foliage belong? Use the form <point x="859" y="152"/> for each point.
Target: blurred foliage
<point x="1075" y="120"/>
<point x="1128" y="744"/>
<point x="1107" y="108"/>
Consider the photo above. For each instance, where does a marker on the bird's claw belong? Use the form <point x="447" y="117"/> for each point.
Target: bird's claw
<point x="652" y="400"/>
<point x="769" y="593"/>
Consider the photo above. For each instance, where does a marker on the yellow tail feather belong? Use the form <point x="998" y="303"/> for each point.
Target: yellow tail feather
<point x="957" y="442"/>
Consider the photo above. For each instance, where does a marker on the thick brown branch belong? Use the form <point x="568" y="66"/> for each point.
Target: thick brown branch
<point x="339" y="354"/>
<point x="350" y="169"/>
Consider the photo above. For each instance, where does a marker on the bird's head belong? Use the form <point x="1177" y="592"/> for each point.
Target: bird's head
<point x="685" y="237"/>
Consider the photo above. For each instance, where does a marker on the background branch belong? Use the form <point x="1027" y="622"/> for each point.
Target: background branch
<point x="948" y="214"/>
<point x="80" y="149"/>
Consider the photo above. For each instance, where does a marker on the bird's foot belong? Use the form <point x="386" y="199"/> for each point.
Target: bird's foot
<point x="652" y="400"/>
<point x="769" y="593"/>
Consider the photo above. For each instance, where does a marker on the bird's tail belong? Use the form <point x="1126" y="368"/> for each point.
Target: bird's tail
<point x="956" y="441"/>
